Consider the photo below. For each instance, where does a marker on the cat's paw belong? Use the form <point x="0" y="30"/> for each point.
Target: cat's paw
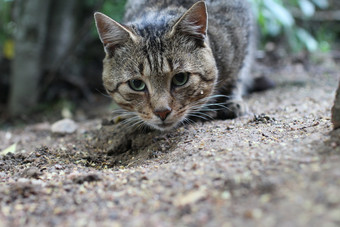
<point x="233" y="109"/>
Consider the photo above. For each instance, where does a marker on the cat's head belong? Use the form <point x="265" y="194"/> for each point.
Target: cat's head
<point x="162" y="71"/>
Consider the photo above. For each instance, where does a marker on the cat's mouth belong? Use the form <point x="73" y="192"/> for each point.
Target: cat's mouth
<point x="164" y="126"/>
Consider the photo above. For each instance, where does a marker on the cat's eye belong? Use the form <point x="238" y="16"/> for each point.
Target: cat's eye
<point x="137" y="85"/>
<point x="180" y="79"/>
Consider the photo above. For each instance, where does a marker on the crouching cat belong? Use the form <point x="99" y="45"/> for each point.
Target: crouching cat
<point x="177" y="61"/>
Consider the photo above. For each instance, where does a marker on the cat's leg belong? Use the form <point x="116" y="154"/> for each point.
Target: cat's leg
<point x="234" y="105"/>
<point x="226" y="103"/>
<point x="220" y="107"/>
<point x="231" y="107"/>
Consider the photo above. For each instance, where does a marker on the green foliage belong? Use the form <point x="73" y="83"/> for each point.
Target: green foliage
<point x="115" y="9"/>
<point x="276" y="19"/>
<point x="326" y="38"/>
<point x="112" y="8"/>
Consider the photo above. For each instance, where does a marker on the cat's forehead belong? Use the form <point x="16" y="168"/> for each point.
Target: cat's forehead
<point x="156" y="66"/>
<point x="158" y="56"/>
<point x="154" y="23"/>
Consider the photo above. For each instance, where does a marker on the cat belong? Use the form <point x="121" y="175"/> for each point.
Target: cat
<point x="176" y="61"/>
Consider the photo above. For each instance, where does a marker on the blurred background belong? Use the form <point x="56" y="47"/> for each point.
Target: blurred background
<point x="51" y="56"/>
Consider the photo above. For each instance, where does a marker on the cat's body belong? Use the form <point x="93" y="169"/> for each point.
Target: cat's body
<point x="173" y="61"/>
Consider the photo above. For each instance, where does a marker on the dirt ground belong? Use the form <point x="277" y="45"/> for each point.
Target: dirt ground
<point x="278" y="166"/>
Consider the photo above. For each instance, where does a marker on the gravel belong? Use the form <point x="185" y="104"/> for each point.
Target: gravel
<point x="278" y="166"/>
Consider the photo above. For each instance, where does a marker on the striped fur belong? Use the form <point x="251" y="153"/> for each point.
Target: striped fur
<point x="209" y="41"/>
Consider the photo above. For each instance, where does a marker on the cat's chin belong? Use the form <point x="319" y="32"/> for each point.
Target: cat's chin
<point x="164" y="126"/>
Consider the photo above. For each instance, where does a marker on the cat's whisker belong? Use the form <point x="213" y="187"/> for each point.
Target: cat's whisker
<point x="125" y="116"/>
<point x="187" y="120"/>
<point x="200" y="113"/>
<point x="209" y="109"/>
<point x="219" y="96"/>
<point x="130" y="122"/>
<point x="129" y="119"/>
<point x="143" y="127"/>
<point x="105" y="95"/>
<point x="214" y="104"/>
<point x="198" y="116"/>
<point x="122" y="116"/>
<point x="137" y="123"/>
<point x="121" y="111"/>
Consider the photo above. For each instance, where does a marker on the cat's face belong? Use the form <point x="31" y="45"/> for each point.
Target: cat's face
<point x="162" y="79"/>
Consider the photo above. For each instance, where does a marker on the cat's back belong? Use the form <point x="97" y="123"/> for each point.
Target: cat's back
<point x="230" y="22"/>
<point x="220" y="11"/>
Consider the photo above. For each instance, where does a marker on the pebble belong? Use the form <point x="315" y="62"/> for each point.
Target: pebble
<point x="65" y="126"/>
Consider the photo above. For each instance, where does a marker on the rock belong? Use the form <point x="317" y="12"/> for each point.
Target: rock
<point x="65" y="126"/>
<point x="336" y="110"/>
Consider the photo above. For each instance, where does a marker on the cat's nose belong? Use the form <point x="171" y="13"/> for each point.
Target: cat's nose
<point x="163" y="114"/>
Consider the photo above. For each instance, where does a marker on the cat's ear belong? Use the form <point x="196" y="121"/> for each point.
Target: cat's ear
<point x="194" y="22"/>
<point x="112" y="33"/>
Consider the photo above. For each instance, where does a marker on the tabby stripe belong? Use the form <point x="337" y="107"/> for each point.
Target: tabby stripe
<point x="141" y="68"/>
<point x="161" y="48"/>
<point x="171" y="64"/>
<point x="204" y="78"/>
<point x="128" y="100"/>
<point x="115" y="89"/>
<point x="149" y="61"/>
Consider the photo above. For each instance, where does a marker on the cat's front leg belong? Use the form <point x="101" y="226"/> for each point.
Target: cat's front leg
<point x="230" y="106"/>
<point x="232" y="109"/>
<point x="221" y="109"/>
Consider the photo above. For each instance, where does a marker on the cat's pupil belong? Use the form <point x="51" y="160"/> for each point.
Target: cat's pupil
<point x="137" y="85"/>
<point x="180" y="79"/>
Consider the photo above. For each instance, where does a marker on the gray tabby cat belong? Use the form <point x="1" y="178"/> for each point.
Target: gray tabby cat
<point x="165" y="66"/>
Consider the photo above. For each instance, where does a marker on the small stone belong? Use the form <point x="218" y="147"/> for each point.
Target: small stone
<point x="58" y="167"/>
<point x="65" y="126"/>
<point x="336" y="110"/>
<point x="92" y="177"/>
<point x="32" y="172"/>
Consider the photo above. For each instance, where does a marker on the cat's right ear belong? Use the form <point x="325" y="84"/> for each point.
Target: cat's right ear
<point x="194" y="22"/>
<point x="112" y="33"/>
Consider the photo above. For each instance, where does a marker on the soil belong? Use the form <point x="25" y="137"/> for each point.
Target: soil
<point x="277" y="166"/>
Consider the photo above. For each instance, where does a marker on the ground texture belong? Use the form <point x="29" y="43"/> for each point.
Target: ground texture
<point x="278" y="166"/>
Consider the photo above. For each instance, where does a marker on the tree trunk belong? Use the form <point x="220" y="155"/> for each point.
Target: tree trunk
<point x="31" y="20"/>
<point x="61" y="32"/>
<point x="45" y="32"/>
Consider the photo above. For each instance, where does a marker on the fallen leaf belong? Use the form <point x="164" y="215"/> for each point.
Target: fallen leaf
<point x="10" y="149"/>
<point x="190" y="198"/>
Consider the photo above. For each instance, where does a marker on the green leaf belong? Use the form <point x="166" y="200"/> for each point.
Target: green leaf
<point x="273" y="27"/>
<point x="307" y="39"/>
<point x="10" y="149"/>
<point x="322" y="4"/>
<point x="307" y="8"/>
<point x="324" y="46"/>
<point x="280" y="13"/>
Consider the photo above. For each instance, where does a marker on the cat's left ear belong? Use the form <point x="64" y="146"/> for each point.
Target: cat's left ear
<point x="194" y="22"/>
<point x="111" y="33"/>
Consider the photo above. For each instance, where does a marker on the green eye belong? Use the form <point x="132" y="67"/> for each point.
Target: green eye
<point x="180" y="79"/>
<point x="137" y="85"/>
